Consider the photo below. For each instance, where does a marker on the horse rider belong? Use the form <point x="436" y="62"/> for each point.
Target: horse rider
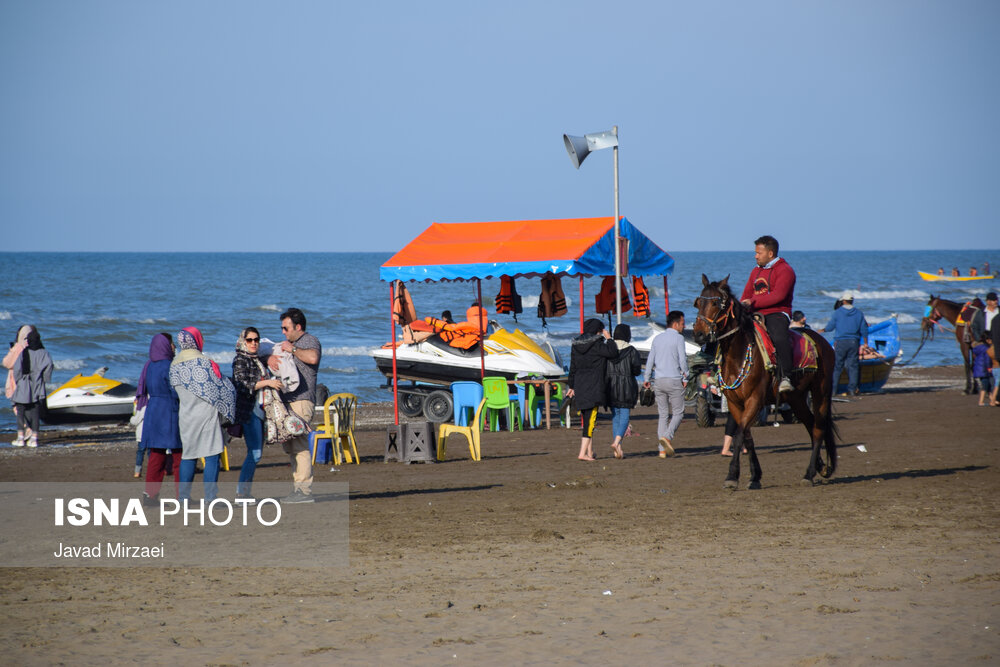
<point x="769" y="291"/>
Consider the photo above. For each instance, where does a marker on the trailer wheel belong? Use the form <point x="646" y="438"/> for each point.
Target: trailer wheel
<point x="411" y="404"/>
<point x="703" y="412"/>
<point x="439" y="407"/>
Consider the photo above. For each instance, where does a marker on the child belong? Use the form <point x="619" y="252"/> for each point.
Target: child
<point x="982" y="370"/>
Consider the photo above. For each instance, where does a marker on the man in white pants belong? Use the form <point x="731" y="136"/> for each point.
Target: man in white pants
<point x="669" y="361"/>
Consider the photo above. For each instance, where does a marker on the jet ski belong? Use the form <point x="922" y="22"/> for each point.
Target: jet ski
<point x="644" y="346"/>
<point x="88" y="398"/>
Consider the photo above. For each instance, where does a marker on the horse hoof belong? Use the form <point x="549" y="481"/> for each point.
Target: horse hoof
<point x="753" y="486"/>
<point x="806" y="482"/>
<point x="729" y="484"/>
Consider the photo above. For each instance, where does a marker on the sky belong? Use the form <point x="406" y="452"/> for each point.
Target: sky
<point x="341" y="126"/>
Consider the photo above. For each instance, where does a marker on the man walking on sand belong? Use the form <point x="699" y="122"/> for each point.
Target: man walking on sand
<point x="669" y="361"/>
<point x="307" y="352"/>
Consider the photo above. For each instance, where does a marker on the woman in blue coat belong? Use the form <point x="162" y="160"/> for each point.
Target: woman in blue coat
<point x="160" y="433"/>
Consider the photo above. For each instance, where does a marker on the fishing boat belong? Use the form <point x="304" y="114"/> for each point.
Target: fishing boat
<point x="87" y="398"/>
<point x="874" y="373"/>
<point x="933" y="277"/>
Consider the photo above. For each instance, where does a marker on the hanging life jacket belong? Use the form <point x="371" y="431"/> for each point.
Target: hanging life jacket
<point x="403" y="311"/>
<point x="508" y="300"/>
<point x="641" y="296"/>
<point x="552" y="301"/>
<point x="604" y="302"/>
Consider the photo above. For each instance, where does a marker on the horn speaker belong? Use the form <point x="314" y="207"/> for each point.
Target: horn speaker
<point x="577" y="148"/>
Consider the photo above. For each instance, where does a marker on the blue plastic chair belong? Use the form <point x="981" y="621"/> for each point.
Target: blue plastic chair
<point x="466" y="396"/>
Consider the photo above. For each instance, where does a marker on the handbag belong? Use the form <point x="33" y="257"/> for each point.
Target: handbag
<point x="280" y="423"/>
<point x="646" y="396"/>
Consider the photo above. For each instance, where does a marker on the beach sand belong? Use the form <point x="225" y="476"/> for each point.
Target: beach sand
<point x="533" y="557"/>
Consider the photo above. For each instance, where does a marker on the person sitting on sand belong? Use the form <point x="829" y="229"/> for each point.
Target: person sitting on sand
<point x="588" y="378"/>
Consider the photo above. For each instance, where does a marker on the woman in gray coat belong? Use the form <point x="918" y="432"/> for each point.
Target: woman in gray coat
<point x="32" y="371"/>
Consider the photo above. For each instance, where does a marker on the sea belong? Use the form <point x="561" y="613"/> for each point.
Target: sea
<point x="98" y="310"/>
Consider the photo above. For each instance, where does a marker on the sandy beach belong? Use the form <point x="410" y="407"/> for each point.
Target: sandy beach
<point x="533" y="557"/>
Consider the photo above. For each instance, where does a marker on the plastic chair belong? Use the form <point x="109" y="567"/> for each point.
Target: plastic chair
<point x="536" y="397"/>
<point x="317" y="448"/>
<point x="223" y="460"/>
<point x="497" y="397"/>
<point x="338" y="428"/>
<point x="466" y="396"/>
<point x="470" y="432"/>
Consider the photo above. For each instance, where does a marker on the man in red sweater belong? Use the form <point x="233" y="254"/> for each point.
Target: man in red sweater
<point x="769" y="291"/>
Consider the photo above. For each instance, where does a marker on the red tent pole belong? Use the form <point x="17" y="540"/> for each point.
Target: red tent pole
<point x="666" y="299"/>
<point x="482" y="347"/>
<point x="392" y="341"/>
<point x="581" y="304"/>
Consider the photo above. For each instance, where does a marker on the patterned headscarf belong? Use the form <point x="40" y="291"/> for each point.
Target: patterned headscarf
<point x="199" y="375"/>
<point x="241" y="349"/>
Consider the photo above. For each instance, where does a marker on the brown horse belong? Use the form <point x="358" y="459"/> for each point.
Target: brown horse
<point x="749" y="386"/>
<point x="950" y="310"/>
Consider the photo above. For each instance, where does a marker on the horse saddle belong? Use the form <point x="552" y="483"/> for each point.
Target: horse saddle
<point x="804" y="352"/>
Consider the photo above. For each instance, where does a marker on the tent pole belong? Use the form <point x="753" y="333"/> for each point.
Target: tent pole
<point x="618" y="263"/>
<point x="581" y="304"/>
<point x="666" y="299"/>
<point x="392" y="341"/>
<point x="482" y="347"/>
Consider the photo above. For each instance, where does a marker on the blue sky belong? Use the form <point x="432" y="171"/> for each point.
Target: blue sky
<point x="332" y="126"/>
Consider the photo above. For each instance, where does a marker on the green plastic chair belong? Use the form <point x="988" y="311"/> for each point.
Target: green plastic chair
<point x="536" y="397"/>
<point x="498" y="398"/>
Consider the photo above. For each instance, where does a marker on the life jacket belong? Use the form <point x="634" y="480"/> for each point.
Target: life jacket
<point x="477" y="318"/>
<point x="403" y="311"/>
<point x="641" y="296"/>
<point x="508" y="300"/>
<point x="604" y="302"/>
<point x="552" y="301"/>
<point x="462" y="335"/>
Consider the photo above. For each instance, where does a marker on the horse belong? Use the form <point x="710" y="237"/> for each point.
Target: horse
<point x="950" y="310"/>
<point x="749" y="386"/>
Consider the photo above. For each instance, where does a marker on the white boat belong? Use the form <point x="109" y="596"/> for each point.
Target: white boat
<point x="89" y="398"/>
<point x="643" y="346"/>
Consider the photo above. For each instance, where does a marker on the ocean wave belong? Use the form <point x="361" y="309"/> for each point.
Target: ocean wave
<point x="68" y="364"/>
<point x="153" y="320"/>
<point x="222" y="357"/>
<point x="348" y="351"/>
<point x="4" y="314"/>
<point x="880" y="294"/>
<point x="269" y="307"/>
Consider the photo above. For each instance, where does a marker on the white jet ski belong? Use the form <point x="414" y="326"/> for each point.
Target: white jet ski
<point x="88" y="398"/>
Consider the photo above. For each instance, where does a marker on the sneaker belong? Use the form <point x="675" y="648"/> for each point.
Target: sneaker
<point x="297" y="497"/>
<point x="18" y="442"/>
<point x="666" y="449"/>
<point x="32" y="442"/>
<point x="785" y="385"/>
<point x="150" y="501"/>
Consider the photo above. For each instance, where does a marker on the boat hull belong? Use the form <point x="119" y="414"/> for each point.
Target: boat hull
<point x="874" y="373"/>
<point x="933" y="277"/>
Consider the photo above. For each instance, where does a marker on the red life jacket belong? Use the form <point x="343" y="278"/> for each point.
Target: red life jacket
<point x="508" y="300"/>
<point x="604" y="302"/>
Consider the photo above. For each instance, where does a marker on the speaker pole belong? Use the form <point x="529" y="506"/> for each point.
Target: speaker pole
<point x="618" y="260"/>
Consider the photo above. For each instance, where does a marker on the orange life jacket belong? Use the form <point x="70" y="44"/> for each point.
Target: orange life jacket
<point x="477" y="317"/>
<point x="403" y="311"/>
<point x="508" y="300"/>
<point x="604" y="302"/>
<point x="641" y="296"/>
<point x="552" y="301"/>
<point x="462" y="335"/>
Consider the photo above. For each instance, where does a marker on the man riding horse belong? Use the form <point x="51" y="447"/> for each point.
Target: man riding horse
<point x="769" y="291"/>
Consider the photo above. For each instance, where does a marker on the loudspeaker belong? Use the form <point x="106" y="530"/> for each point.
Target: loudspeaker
<point x="580" y="147"/>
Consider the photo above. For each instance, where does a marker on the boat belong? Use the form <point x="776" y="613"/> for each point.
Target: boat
<point x="643" y="346"/>
<point x="954" y="279"/>
<point x="88" y="398"/>
<point x="883" y="337"/>
<point x="432" y="365"/>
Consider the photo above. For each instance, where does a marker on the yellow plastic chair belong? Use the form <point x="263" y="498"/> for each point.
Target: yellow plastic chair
<point x="497" y="396"/>
<point x="339" y="429"/>
<point x="471" y="432"/>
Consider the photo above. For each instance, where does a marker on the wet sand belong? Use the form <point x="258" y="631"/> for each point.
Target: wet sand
<point x="531" y="556"/>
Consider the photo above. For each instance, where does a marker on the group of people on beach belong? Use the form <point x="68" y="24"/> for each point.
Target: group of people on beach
<point x="185" y="406"/>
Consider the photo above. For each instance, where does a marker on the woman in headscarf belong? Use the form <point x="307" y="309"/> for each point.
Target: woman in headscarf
<point x="249" y="375"/>
<point x="587" y="378"/>
<point x="206" y="401"/>
<point x="32" y="370"/>
<point x="623" y="389"/>
<point x="16" y="348"/>
<point x="160" y="433"/>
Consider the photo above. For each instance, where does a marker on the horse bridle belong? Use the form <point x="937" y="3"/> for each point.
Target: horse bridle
<point x="714" y="323"/>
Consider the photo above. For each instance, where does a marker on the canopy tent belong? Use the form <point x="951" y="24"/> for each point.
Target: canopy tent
<point x="526" y="248"/>
<point x="471" y="250"/>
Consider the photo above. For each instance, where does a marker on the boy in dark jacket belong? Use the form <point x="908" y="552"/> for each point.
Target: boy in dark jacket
<point x="623" y="390"/>
<point x="587" y="378"/>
